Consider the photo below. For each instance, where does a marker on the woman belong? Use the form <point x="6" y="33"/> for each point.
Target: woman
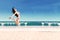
<point x="15" y="13"/>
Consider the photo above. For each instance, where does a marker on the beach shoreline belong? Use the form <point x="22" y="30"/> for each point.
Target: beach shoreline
<point x="29" y="28"/>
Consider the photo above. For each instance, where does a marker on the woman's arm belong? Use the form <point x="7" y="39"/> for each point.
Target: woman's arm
<point x="12" y="17"/>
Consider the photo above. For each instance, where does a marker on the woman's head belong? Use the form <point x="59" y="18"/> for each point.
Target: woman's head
<point x="14" y="11"/>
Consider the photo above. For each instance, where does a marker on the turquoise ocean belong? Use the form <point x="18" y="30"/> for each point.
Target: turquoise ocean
<point x="30" y="23"/>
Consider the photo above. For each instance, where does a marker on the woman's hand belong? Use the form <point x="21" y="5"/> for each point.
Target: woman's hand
<point x="9" y="17"/>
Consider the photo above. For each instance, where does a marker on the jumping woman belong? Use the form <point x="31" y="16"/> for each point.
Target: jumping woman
<point x="17" y="14"/>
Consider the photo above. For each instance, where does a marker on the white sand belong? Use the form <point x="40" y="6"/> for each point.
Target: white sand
<point x="29" y="33"/>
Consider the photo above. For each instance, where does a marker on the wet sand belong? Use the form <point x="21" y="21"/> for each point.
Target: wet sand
<point x="28" y="33"/>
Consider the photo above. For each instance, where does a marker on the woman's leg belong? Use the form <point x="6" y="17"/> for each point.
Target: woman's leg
<point x="17" y="21"/>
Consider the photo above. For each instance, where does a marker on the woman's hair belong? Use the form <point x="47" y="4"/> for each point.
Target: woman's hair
<point x="13" y="10"/>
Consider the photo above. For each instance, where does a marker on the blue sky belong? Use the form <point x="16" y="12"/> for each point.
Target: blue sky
<point x="31" y="10"/>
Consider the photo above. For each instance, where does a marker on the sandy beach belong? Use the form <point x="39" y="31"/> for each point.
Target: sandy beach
<point x="29" y="33"/>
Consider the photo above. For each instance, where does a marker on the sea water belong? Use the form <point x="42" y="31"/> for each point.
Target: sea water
<point x="30" y="23"/>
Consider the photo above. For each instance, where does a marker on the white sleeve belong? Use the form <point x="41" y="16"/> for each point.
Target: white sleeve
<point x="12" y="15"/>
